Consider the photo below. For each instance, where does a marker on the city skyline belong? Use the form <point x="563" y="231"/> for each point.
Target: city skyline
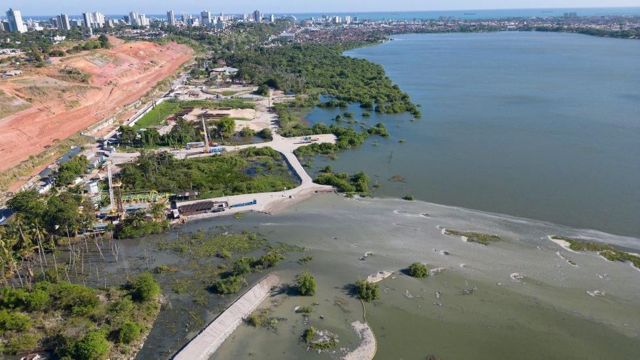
<point x="75" y="7"/>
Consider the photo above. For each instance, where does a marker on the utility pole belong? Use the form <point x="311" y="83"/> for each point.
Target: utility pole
<point x="110" y="177"/>
<point x="206" y="136"/>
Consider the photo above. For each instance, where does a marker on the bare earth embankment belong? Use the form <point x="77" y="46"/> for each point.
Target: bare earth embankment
<point x="57" y="101"/>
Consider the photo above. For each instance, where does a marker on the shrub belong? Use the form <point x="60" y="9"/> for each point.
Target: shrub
<point x="145" y="288"/>
<point x="93" y="346"/>
<point x="76" y="299"/>
<point x="13" y="321"/>
<point x="38" y="300"/>
<point x="21" y="343"/>
<point x="270" y="259"/>
<point x="266" y="134"/>
<point x="13" y="298"/>
<point x="129" y="332"/>
<point x="367" y="291"/>
<point x="247" y="132"/>
<point x="306" y="284"/>
<point x="229" y="285"/>
<point x="418" y="270"/>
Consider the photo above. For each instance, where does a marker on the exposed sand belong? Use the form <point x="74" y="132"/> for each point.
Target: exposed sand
<point x="562" y="243"/>
<point x="61" y="106"/>
<point x="368" y="347"/>
<point x="379" y="276"/>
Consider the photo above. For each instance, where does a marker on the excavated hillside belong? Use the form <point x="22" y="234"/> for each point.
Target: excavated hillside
<point x="52" y="103"/>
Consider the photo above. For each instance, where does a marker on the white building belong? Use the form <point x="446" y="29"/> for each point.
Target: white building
<point x="14" y="17"/>
<point x="171" y="18"/>
<point x="63" y="22"/>
<point x="134" y="19"/>
<point x="205" y="16"/>
<point x="98" y="19"/>
<point x="87" y="21"/>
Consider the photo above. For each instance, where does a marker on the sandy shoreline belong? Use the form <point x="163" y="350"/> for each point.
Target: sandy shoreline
<point x="562" y="243"/>
<point x="368" y="347"/>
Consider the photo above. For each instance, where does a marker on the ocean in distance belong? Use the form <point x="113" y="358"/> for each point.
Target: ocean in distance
<point x="478" y="14"/>
<point x="537" y="125"/>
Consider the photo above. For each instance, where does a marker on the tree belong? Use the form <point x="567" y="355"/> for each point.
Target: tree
<point x="306" y="284"/>
<point x="29" y="203"/>
<point x="145" y="288"/>
<point x="104" y="41"/>
<point x="367" y="291"/>
<point x="418" y="270"/>
<point x="266" y="134"/>
<point x="247" y="132"/>
<point x="226" y="127"/>
<point x="93" y="346"/>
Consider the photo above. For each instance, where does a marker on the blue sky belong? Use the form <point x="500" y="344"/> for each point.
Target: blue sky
<point x="46" y="7"/>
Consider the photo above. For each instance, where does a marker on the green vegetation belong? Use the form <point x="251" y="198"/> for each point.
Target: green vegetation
<point x="304" y="310"/>
<point x="70" y="170"/>
<point x="304" y="260"/>
<point x="144" y="288"/>
<point x="378" y="129"/>
<point x="228" y="285"/>
<point x="77" y="322"/>
<point x="250" y="170"/>
<point x="265" y="134"/>
<point x="159" y="114"/>
<point x="202" y="244"/>
<point x="607" y="251"/>
<point x="139" y="225"/>
<point x="474" y="237"/>
<point x="408" y="198"/>
<point x="317" y="69"/>
<point x="318" y="340"/>
<point x="306" y="284"/>
<point x="418" y="270"/>
<point x="367" y="291"/>
<point x="261" y="318"/>
<point x="354" y="184"/>
<point x="247" y="132"/>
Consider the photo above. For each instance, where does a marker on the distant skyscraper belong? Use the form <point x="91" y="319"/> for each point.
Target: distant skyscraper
<point x="63" y="22"/>
<point x="257" y="16"/>
<point x="272" y="18"/>
<point x="205" y="17"/>
<point x="171" y="18"/>
<point x="14" y="17"/>
<point x="134" y="19"/>
<point x="86" y="18"/>
<point x="97" y="19"/>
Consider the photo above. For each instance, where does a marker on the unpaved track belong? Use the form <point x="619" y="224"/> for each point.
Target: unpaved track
<point x="119" y="76"/>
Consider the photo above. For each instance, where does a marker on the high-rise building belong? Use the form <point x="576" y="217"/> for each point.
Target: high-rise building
<point x="171" y="18"/>
<point x="63" y="22"/>
<point x="143" y="20"/>
<point x="206" y="18"/>
<point x="86" y="19"/>
<point x="272" y="19"/>
<point x="98" y="19"/>
<point x="257" y="16"/>
<point x="134" y="19"/>
<point x="14" y="17"/>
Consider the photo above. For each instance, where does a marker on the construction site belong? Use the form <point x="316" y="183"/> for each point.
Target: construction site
<point x="44" y="106"/>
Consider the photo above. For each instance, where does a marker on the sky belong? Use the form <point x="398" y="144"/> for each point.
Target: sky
<point x="49" y="7"/>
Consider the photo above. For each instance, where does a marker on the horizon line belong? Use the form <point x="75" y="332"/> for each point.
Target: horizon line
<point x="381" y="11"/>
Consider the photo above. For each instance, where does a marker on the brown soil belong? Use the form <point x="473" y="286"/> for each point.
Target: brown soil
<point x="60" y="106"/>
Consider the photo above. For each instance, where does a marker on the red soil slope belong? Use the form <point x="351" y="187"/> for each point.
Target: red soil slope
<point x="62" y="105"/>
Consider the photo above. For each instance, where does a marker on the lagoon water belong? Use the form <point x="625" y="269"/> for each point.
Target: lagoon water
<point x="537" y="125"/>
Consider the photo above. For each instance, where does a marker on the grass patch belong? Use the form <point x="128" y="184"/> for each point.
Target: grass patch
<point x="607" y="251"/>
<point x="474" y="237"/>
<point x="248" y="171"/>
